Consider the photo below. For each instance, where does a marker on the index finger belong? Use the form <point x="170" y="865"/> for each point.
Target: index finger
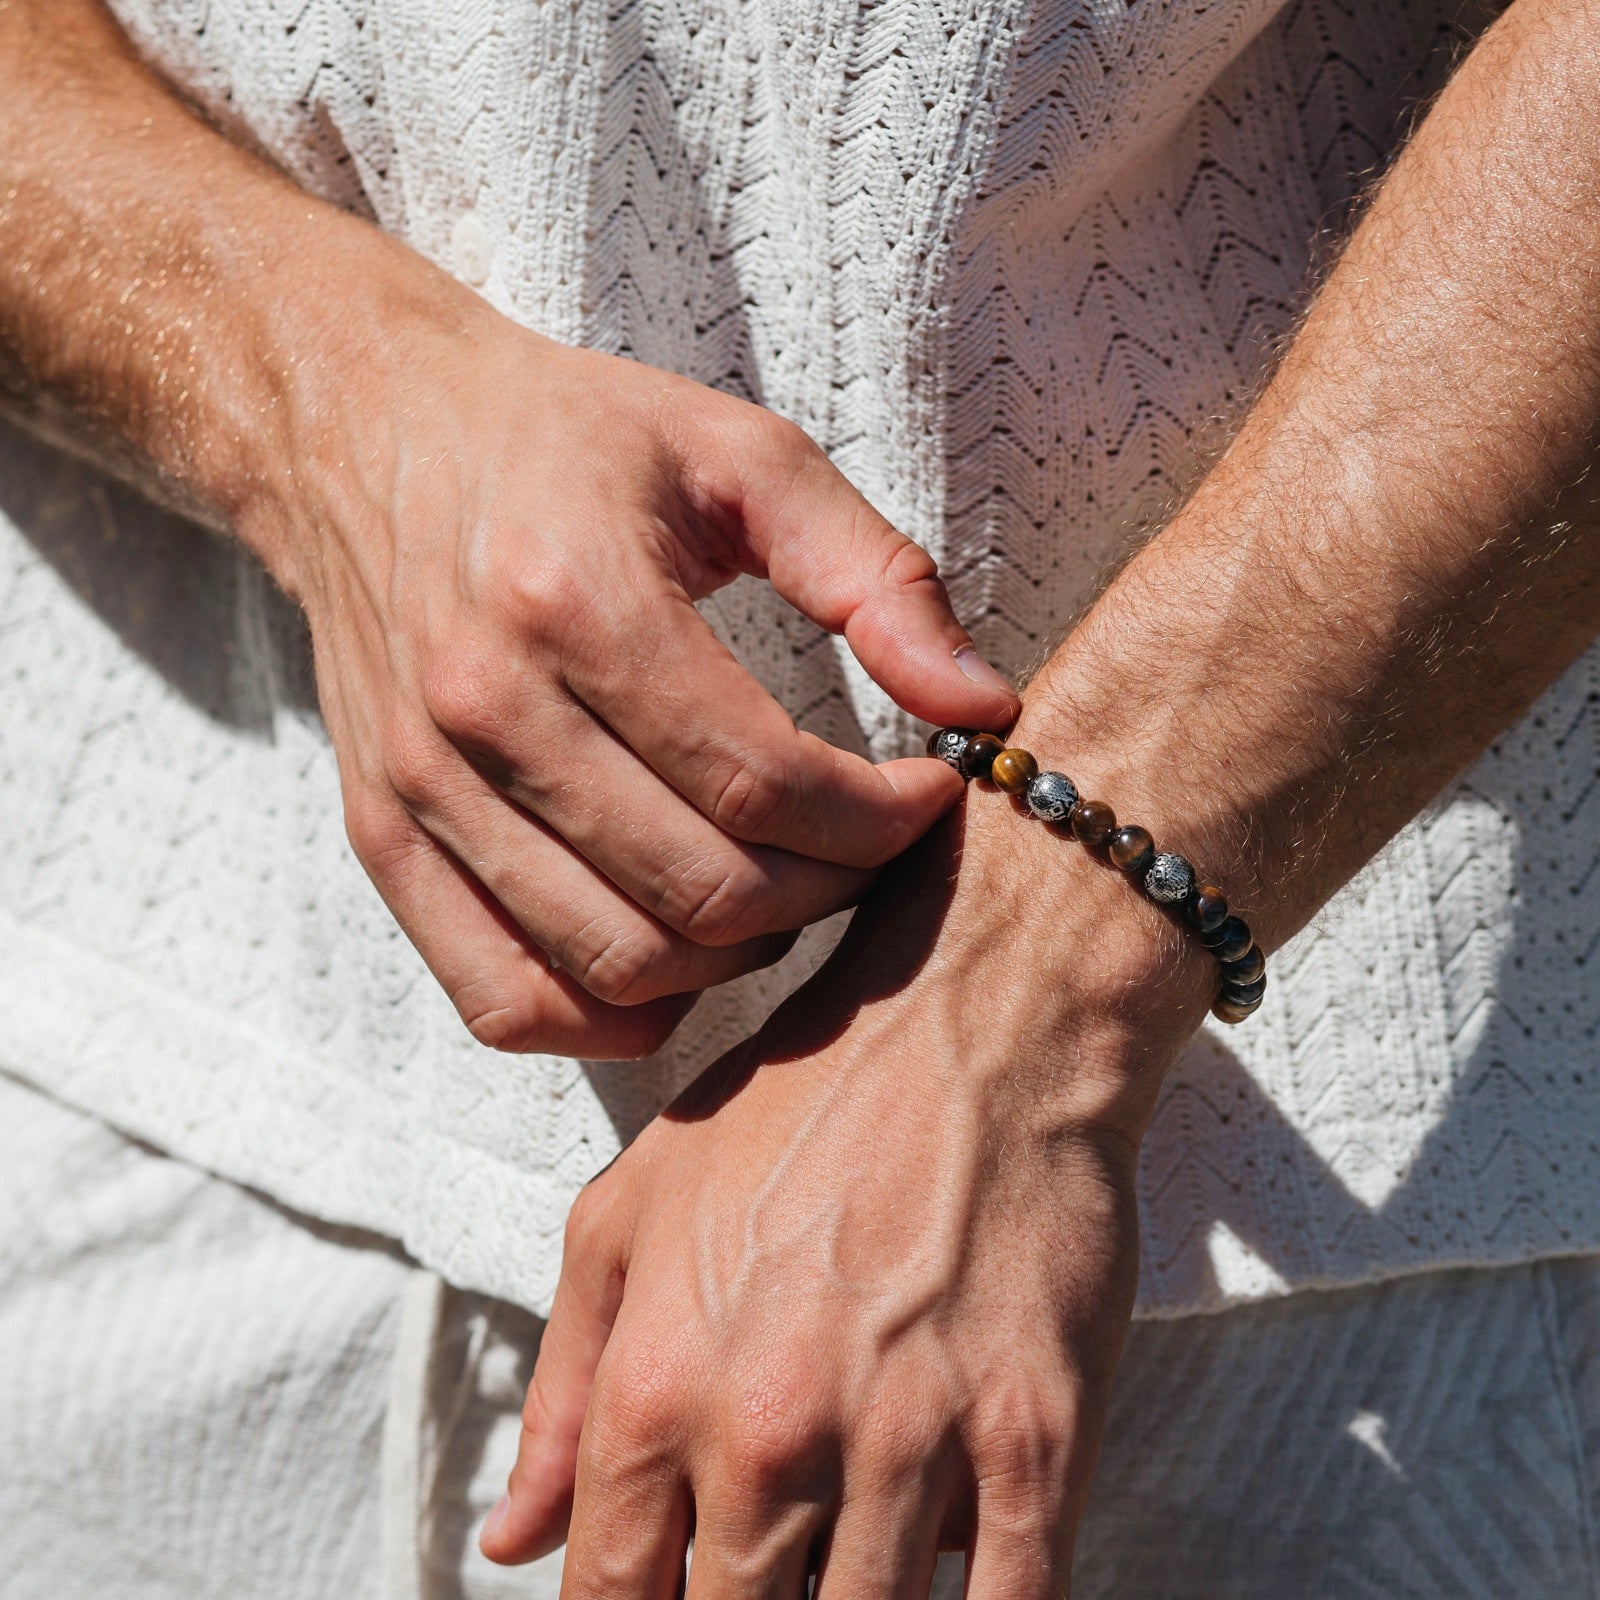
<point x="721" y="740"/>
<point x="812" y="534"/>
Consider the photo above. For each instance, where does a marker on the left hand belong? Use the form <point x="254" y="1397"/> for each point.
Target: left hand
<point x="859" y="1294"/>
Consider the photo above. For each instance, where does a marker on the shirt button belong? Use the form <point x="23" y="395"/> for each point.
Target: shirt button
<point x="469" y="243"/>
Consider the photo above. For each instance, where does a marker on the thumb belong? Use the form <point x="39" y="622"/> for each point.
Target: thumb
<point x="833" y="558"/>
<point x="531" y="1519"/>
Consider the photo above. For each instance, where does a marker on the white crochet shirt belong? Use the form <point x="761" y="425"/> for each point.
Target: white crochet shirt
<point x="1002" y="258"/>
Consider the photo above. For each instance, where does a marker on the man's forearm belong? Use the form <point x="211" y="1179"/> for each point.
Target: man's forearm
<point x="1399" y="552"/>
<point x="110" y="236"/>
<point x="153" y="275"/>
<point x="577" y="803"/>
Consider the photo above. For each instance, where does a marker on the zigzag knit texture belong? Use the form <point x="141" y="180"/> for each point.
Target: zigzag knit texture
<point x="1013" y="265"/>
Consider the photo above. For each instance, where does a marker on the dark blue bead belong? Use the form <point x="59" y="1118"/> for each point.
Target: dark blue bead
<point x="1230" y="941"/>
<point x="1246" y="969"/>
<point x="1206" y="909"/>
<point x="1245" y="994"/>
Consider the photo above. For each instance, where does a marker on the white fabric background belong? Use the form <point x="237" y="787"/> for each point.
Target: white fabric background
<point x="1007" y="326"/>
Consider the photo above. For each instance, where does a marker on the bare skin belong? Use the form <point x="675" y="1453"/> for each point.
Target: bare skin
<point x="861" y="1292"/>
<point x="575" y="801"/>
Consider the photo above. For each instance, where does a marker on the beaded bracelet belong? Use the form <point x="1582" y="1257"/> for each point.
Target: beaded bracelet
<point x="1167" y="878"/>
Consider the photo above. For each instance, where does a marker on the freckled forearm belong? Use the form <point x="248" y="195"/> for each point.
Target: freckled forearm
<point x="114" y="310"/>
<point x="169" y="302"/>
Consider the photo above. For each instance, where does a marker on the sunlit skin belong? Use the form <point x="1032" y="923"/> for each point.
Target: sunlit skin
<point x="862" y="1291"/>
<point x="547" y="757"/>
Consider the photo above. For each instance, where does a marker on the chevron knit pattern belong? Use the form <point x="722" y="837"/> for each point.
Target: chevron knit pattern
<point x="1012" y="264"/>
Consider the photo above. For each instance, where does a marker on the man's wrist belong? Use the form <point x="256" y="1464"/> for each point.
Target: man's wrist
<point x="1084" y="988"/>
<point x="1032" y="899"/>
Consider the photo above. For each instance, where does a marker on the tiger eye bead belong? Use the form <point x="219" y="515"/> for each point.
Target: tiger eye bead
<point x="1093" y="823"/>
<point x="1231" y="1011"/>
<point x="1051" y="796"/>
<point x="1013" y="771"/>
<point x="978" y="757"/>
<point x="949" y="745"/>
<point x="1132" y="849"/>
<point x="1229" y="940"/>
<point x="1206" y="909"/>
<point x="1246" y="969"/>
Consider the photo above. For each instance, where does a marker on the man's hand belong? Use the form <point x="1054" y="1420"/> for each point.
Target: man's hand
<point x="863" y="1290"/>
<point x="859" y="1295"/>
<point x="576" y="802"/>
<point x="545" y="750"/>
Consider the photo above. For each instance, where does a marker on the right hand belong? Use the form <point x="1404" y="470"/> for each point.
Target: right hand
<point x="577" y="803"/>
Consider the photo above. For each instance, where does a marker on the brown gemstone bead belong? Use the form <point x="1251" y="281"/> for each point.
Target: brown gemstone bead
<point x="1132" y="849"/>
<point x="1093" y="823"/>
<point x="1229" y="941"/>
<point x="1013" y="771"/>
<point x="1246" y="969"/>
<point x="1206" y="908"/>
<point x="979" y="755"/>
<point x="1232" y="1011"/>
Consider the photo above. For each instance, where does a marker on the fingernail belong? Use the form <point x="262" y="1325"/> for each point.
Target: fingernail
<point x="981" y="673"/>
<point x="496" y="1518"/>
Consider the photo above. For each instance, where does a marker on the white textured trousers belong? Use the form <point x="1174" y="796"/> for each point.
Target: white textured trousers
<point x="202" y="1396"/>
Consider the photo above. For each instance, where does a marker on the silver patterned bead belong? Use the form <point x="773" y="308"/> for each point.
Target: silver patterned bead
<point x="1168" y="878"/>
<point x="1051" y="796"/>
<point x="949" y="745"/>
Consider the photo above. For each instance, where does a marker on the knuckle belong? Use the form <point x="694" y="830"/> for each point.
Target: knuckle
<point x="787" y="438"/>
<point x="1025" y="1441"/>
<point x="640" y="1396"/>
<point x="412" y="765"/>
<point x="767" y="1456"/>
<point x="754" y="430"/>
<point x="589" y="1215"/>
<point x="900" y="1440"/>
<point x="544" y="602"/>
<point x="909" y="565"/>
<point x="381" y="836"/>
<point x="617" y="964"/>
<point x="718" y="903"/>
<point x="464" y="695"/>
<point x="772" y="1433"/>
<point x="757" y="796"/>
<point x="508" y="1029"/>
<point x="499" y="1014"/>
